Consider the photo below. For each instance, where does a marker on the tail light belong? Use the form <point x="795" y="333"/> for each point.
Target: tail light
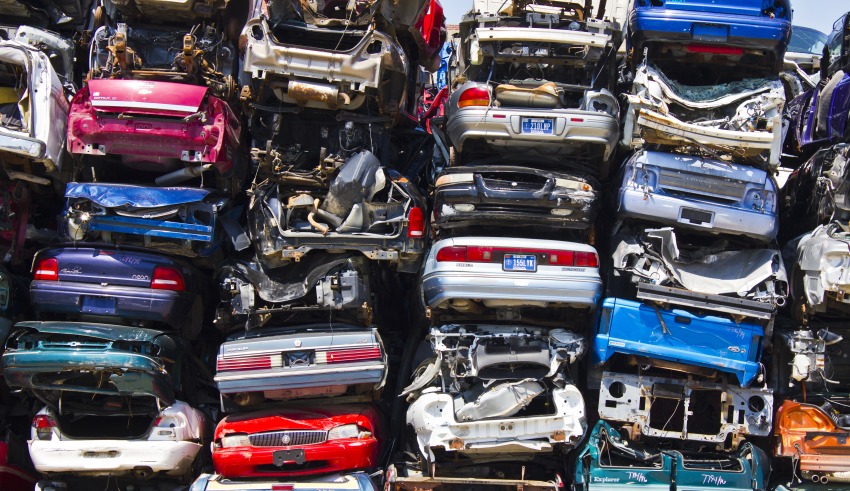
<point x="348" y="355"/>
<point x="47" y="269"/>
<point x="550" y="257"/>
<point x="167" y="278"/>
<point x="43" y="425"/>
<point x="415" y="223"/>
<point x="715" y="50"/>
<point x="475" y="96"/>
<point x="262" y="362"/>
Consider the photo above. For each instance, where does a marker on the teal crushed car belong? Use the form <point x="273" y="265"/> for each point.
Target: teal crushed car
<point x="610" y="462"/>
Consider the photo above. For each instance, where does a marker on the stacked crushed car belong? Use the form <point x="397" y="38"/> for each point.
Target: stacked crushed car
<point x="250" y="245"/>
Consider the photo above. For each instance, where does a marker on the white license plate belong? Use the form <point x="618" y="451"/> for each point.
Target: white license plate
<point x="538" y="126"/>
<point x="519" y="262"/>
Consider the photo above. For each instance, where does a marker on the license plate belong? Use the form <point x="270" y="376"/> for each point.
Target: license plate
<point x="281" y="457"/>
<point x="98" y="305"/>
<point x="538" y="126"/>
<point x="519" y="262"/>
<point x="710" y="32"/>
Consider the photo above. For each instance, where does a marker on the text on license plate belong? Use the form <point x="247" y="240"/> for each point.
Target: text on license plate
<point x="538" y="126"/>
<point x="519" y="262"/>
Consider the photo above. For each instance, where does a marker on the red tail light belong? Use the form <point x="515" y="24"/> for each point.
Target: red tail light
<point x="352" y="355"/>
<point x="550" y="257"/>
<point x="243" y="363"/>
<point x="715" y="50"/>
<point x="475" y="96"/>
<point x="47" y="269"/>
<point x="43" y="425"/>
<point x="415" y="223"/>
<point x="166" y="278"/>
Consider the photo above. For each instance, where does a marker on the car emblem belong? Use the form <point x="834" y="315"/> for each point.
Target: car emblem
<point x="297" y="343"/>
<point x="285" y="439"/>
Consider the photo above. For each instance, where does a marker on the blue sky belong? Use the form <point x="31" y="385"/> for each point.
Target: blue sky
<point x="819" y="14"/>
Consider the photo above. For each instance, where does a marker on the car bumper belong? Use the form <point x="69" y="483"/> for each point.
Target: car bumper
<point x="357" y="481"/>
<point x="668" y="210"/>
<point x="329" y="457"/>
<point x="433" y="417"/>
<point x="742" y="412"/>
<point x="22" y="145"/>
<point x="112" y="457"/>
<point x="165" y="306"/>
<point x="503" y="128"/>
<point x="440" y="287"/>
<point x="305" y="378"/>
<point x="718" y="343"/>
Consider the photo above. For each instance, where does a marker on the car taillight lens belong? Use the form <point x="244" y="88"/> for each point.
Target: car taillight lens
<point x="43" y="425"/>
<point x="349" y="355"/>
<point x="550" y="257"/>
<point x="475" y="96"/>
<point x="165" y="278"/>
<point x="261" y="362"/>
<point x="415" y="223"/>
<point x="47" y="269"/>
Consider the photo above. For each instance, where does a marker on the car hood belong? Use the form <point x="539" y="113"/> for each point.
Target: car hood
<point x="311" y="417"/>
<point x="146" y="97"/>
<point x="98" y="359"/>
<point x="118" y="195"/>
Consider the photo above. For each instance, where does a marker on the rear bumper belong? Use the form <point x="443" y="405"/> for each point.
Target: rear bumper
<point x="501" y="127"/>
<point x="357" y="481"/>
<point x="112" y="457"/>
<point x="62" y="297"/>
<point x="441" y="287"/>
<point x="668" y="210"/>
<point x="22" y="145"/>
<point x="303" y="378"/>
<point x="329" y="457"/>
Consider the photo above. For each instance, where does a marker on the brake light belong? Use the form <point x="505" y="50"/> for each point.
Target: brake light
<point x="262" y="362"/>
<point x="283" y="487"/>
<point x="715" y="50"/>
<point x="43" y="425"/>
<point x="415" y="222"/>
<point x="167" y="278"/>
<point x="349" y="355"/>
<point x="474" y="96"/>
<point x="47" y="269"/>
<point x="550" y="257"/>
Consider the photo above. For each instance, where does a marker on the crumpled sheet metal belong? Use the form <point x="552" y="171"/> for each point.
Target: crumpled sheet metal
<point x="122" y="195"/>
<point x="724" y="273"/>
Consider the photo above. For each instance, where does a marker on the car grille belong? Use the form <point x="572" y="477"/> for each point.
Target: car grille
<point x="292" y="438"/>
<point x="701" y="184"/>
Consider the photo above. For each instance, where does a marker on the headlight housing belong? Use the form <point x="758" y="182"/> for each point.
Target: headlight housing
<point x="347" y="431"/>
<point x="235" y="440"/>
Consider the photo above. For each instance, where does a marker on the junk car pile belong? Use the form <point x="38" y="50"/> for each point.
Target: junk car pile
<point x="312" y="245"/>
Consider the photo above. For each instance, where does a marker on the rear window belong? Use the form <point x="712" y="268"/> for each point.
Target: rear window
<point x="807" y="40"/>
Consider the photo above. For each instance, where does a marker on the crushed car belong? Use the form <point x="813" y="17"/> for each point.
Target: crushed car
<point x="740" y="120"/>
<point x="536" y="79"/>
<point x="355" y="481"/>
<point x="608" y="461"/>
<point x="359" y="205"/>
<point x="117" y="399"/>
<point x="301" y="362"/>
<point x="190" y="222"/>
<point x="111" y="284"/>
<point x="699" y="193"/>
<point x="34" y="106"/>
<point x="821" y="272"/>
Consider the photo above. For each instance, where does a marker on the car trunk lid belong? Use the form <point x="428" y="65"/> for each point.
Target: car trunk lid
<point x="146" y="97"/>
<point x="734" y="7"/>
<point x="106" y="266"/>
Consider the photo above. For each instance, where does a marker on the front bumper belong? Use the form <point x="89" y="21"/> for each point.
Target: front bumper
<point x="357" y="481"/>
<point x="62" y="297"/>
<point x="432" y="416"/>
<point x="633" y="328"/>
<point x="112" y="457"/>
<point x="440" y="287"/>
<point x="741" y="412"/>
<point x="332" y="456"/>
<point x="502" y="128"/>
<point x="716" y="218"/>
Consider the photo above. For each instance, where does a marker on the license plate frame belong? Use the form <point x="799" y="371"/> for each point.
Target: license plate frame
<point x="523" y="263"/>
<point x="537" y="126"/>
<point x="93" y="304"/>
<point x="281" y="457"/>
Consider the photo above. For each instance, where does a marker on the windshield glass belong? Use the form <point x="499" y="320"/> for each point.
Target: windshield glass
<point x="806" y="40"/>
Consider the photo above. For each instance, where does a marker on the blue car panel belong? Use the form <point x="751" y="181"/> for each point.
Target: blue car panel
<point x="676" y="335"/>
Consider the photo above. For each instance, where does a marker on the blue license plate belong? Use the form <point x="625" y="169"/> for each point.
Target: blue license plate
<point x="710" y="32"/>
<point x="538" y="126"/>
<point x="519" y="262"/>
<point x="98" y="305"/>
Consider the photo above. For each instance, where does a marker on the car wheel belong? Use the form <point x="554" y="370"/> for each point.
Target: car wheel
<point x="194" y="321"/>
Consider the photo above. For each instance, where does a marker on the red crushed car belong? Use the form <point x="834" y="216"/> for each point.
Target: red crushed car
<point x="298" y="441"/>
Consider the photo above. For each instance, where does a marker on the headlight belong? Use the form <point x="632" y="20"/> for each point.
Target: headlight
<point x="347" y="431"/>
<point x="447" y="179"/>
<point x="235" y="440"/>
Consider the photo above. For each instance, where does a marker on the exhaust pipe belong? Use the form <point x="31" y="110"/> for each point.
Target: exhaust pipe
<point x="142" y="472"/>
<point x="181" y="175"/>
<point x="815" y="478"/>
<point x="824" y="480"/>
